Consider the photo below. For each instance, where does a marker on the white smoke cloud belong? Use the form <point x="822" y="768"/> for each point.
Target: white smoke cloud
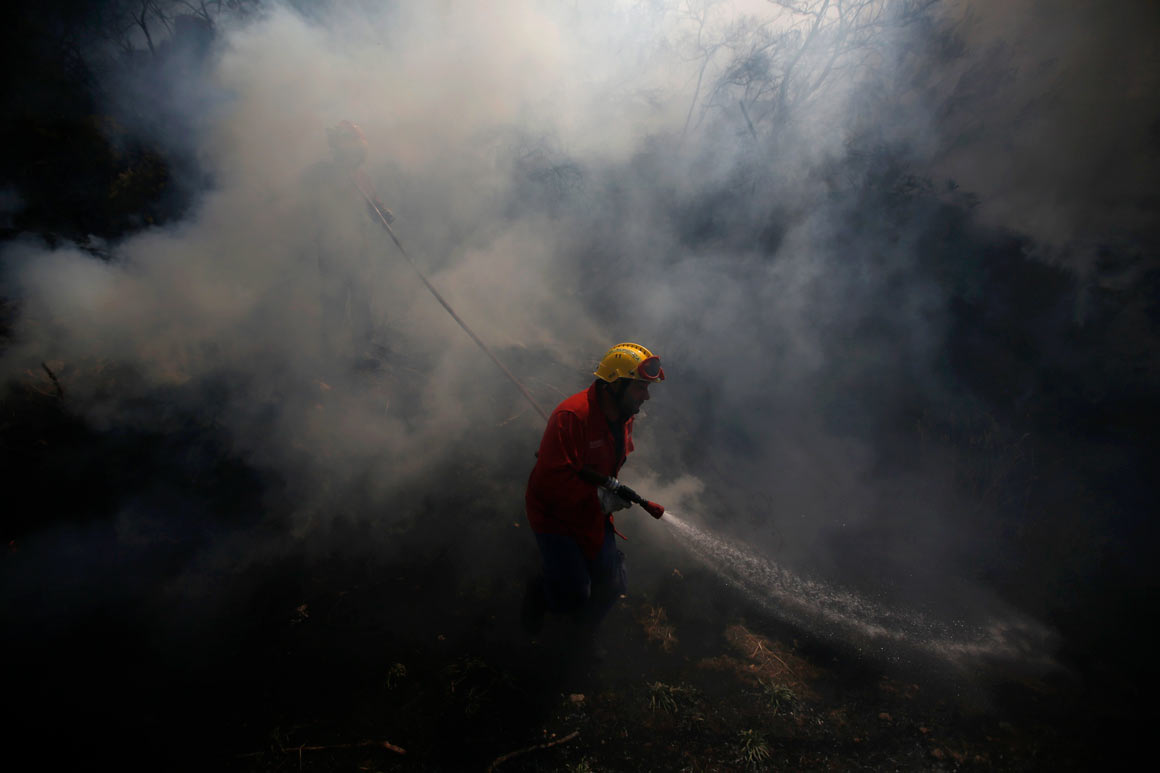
<point x="435" y="87"/>
<point x="279" y="282"/>
<point x="538" y="161"/>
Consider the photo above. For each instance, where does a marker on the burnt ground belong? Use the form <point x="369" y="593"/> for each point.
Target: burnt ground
<point x="312" y="668"/>
<point x="149" y="645"/>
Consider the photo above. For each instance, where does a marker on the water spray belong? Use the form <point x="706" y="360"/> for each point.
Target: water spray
<point x="831" y="612"/>
<point x="814" y="606"/>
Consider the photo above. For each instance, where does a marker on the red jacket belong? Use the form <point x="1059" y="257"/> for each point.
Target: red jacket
<point x="557" y="500"/>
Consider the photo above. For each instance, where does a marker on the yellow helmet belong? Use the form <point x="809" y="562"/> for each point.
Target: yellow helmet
<point x="630" y="360"/>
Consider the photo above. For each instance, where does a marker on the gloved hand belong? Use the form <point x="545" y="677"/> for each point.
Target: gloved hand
<point x="610" y="502"/>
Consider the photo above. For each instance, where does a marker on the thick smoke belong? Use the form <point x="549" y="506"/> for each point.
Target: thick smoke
<point x="1051" y="121"/>
<point x="570" y="176"/>
<point x="280" y="283"/>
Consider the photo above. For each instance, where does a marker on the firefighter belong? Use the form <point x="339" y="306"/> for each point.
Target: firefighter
<point x="348" y="150"/>
<point x="348" y="246"/>
<point x="573" y="490"/>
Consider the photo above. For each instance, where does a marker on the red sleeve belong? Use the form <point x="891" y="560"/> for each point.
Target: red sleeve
<point x="561" y="457"/>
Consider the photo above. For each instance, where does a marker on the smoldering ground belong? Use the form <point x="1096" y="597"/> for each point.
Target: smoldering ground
<point x="870" y="377"/>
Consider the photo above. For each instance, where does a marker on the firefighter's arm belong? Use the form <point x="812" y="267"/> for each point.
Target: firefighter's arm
<point x="608" y="483"/>
<point x="613" y="494"/>
<point x="589" y="475"/>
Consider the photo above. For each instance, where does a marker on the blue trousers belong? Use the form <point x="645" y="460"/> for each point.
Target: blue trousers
<point x="575" y="585"/>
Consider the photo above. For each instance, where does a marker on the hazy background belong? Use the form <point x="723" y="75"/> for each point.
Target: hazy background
<point x="899" y="260"/>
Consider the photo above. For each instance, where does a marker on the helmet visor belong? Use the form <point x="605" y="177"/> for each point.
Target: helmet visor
<point x="650" y="368"/>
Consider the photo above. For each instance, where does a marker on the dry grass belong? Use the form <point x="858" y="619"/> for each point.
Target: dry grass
<point x="657" y="628"/>
<point x="766" y="663"/>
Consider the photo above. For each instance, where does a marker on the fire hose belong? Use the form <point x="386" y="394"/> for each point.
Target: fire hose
<point x="423" y="277"/>
<point x="652" y="508"/>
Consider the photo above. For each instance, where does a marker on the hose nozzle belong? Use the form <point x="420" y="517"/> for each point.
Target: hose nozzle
<point x="624" y="492"/>
<point x="653" y="509"/>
